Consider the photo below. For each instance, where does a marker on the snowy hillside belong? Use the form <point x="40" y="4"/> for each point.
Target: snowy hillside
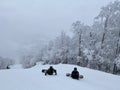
<point x="33" y="79"/>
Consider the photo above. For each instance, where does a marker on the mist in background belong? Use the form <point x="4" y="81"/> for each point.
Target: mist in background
<point x="24" y="23"/>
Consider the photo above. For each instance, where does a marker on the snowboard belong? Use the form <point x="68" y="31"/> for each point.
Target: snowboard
<point x="69" y="75"/>
<point x="44" y="70"/>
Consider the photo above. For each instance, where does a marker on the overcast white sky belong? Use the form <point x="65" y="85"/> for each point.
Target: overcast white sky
<point x="24" y="22"/>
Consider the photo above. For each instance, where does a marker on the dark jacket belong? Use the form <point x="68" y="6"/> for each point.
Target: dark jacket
<point x="51" y="71"/>
<point x="75" y="74"/>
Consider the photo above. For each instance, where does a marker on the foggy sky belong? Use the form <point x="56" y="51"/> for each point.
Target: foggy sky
<point x="25" y="22"/>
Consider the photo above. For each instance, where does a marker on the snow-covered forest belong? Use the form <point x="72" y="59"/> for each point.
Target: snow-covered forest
<point x="96" y="46"/>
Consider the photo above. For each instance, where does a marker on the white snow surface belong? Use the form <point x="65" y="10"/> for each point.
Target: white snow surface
<point x="34" y="79"/>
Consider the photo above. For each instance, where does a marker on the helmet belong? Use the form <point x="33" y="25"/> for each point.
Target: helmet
<point x="51" y="67"/>
<point x="75" y="68"/>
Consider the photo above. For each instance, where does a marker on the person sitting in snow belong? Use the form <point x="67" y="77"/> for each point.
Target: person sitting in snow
<point x="51" y="71"/>
<point x="75" y="74"/>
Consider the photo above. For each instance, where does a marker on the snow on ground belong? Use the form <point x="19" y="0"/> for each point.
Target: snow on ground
<point x="34" y="79"/>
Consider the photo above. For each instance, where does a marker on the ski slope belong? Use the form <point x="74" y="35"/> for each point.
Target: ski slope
<point x="34" y="79"/>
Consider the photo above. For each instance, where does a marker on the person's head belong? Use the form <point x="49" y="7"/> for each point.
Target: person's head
<point x="75" y="68"/>
<point x="51" y="67"/>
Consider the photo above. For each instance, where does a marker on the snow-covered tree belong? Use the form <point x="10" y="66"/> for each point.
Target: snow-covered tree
<point x="60" y="52"/>
<point x="80" y="33"/>
<point x="110" y="21"/>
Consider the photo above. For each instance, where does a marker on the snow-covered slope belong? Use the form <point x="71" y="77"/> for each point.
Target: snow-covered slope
<point x="33" y="79"/>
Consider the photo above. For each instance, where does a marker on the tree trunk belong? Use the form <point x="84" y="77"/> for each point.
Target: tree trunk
<point x="79" y="53"/>
<point x="115" y="69"/>
<point x="105" y="29"/>
<point x="118" y="46"/>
